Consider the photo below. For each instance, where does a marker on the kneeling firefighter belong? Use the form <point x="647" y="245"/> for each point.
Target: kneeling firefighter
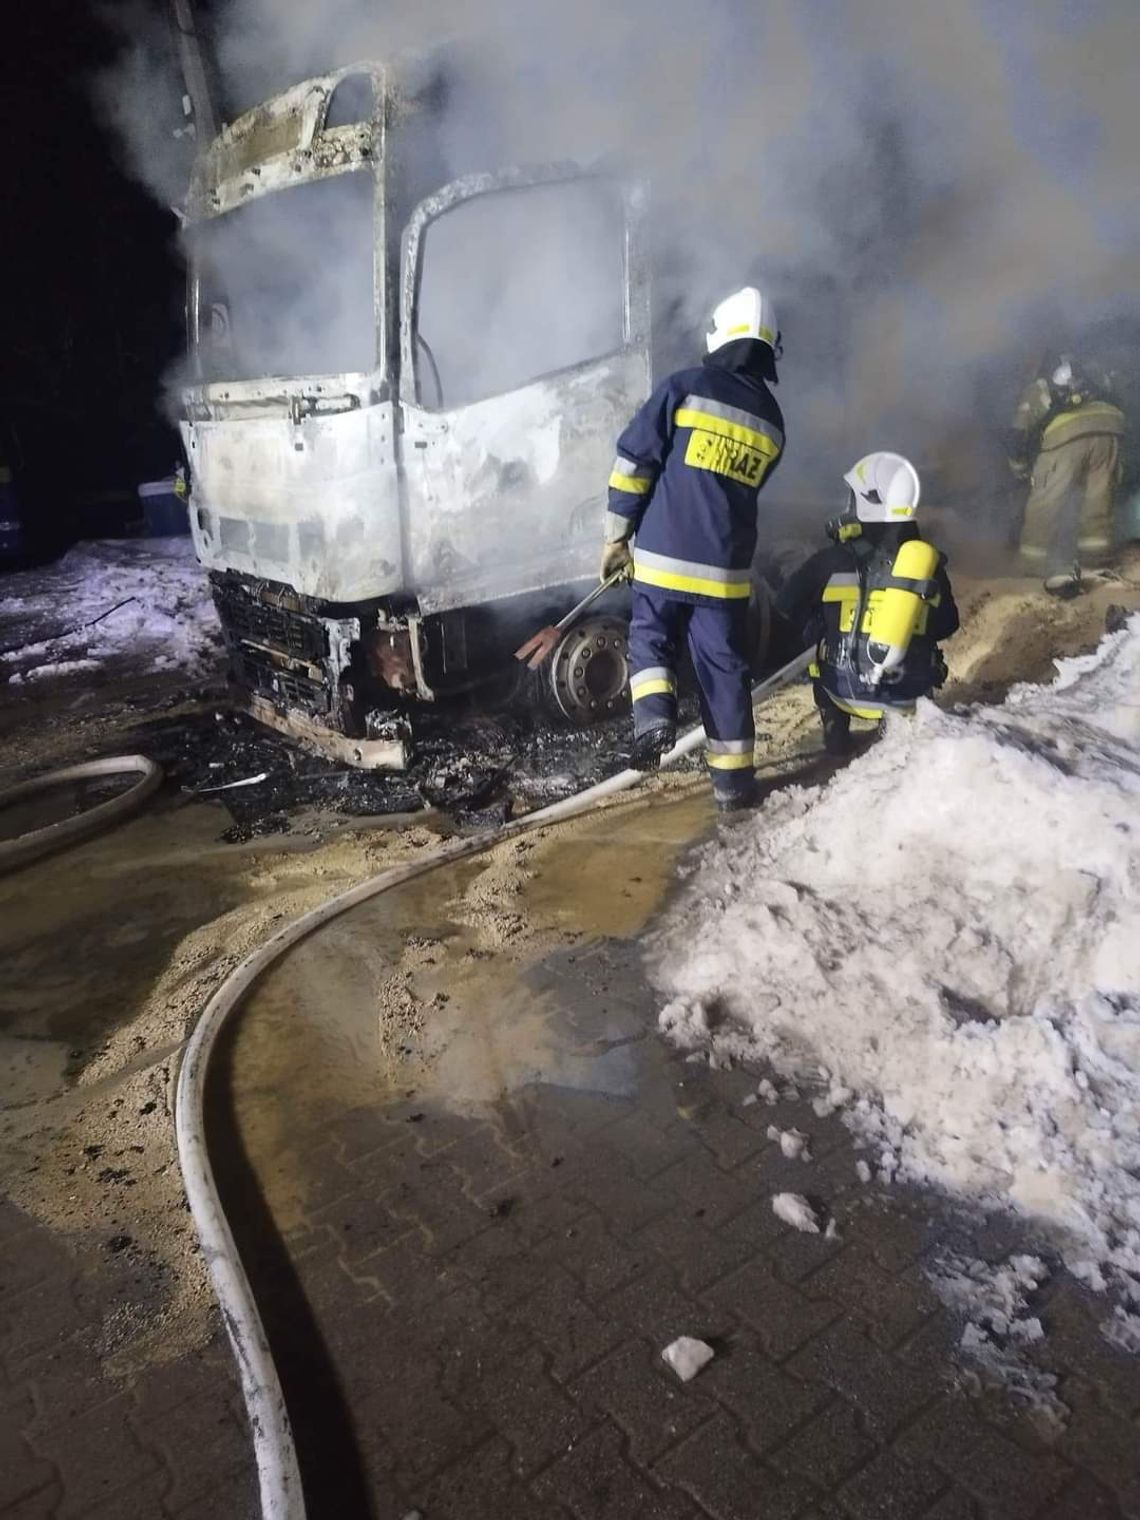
<point x="686" y="480"/>
<point x="876" y="600"/>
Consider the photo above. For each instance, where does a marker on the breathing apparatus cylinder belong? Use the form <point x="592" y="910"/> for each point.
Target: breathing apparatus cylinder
<point x="891" y="621"/>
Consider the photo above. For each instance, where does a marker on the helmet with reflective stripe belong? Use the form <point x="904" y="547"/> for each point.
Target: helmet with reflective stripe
<point x="885" y="488"/>
<point x="747" y="314"/>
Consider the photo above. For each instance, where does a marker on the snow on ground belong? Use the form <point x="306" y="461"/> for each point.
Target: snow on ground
<point x="1001" y="1325"/>
<point x="794" y="1209"/>
<point x="167" y="621"/>
<point x="946" y="938"/>
<point x="687" y="1356"/>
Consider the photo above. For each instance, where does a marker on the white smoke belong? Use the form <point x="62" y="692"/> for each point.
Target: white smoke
<point x="932" y="194"/>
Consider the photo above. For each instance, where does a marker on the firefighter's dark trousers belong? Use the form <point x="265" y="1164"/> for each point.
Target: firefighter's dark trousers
<point x="717" y="638"/>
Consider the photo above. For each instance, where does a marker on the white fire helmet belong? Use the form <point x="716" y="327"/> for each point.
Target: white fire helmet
<point x="747" y="314"/>
<point x="885" y="488"/>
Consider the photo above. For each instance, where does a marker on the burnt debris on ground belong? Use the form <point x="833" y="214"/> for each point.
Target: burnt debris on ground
<point x="480" y="769"/>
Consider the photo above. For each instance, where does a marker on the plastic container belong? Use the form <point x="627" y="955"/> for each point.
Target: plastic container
<point x="164" y="512"/>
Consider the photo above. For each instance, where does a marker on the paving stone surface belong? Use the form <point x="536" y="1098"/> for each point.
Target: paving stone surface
<point x="470" y="1316"/>
<point x="170" y="1441"/>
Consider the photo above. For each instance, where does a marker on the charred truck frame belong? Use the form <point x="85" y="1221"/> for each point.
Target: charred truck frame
<point x="399" y="442"/>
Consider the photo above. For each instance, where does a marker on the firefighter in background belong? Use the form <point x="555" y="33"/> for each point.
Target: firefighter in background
<point x="876" y="601"/>
<point x="1066" y="440"/>
<point x="689" y="470"/>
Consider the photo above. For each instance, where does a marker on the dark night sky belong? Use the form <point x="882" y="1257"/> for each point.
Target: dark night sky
<point x="92" y="285"/>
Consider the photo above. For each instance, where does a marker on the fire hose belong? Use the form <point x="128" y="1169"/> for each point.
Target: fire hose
<point x="278" y="1473"/>
<point x="55" y="836"/>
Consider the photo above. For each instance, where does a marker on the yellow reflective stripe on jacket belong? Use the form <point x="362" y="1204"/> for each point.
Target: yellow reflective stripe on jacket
<point x="1094" y="417"/>
<point x="843" y="587"/>
<point x="665" y="580"/>
<point x="728" y="441"/>
<point x="874" y="602"/>
<point x="628" y="475"/>
<point x="767" y="442"/>
<point x="668" y="580"/>
<point x="630" y="483"/>
<point x="671" y="574"/>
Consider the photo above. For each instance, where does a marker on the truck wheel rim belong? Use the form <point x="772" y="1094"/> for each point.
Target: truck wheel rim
<point x="589" y="670"/>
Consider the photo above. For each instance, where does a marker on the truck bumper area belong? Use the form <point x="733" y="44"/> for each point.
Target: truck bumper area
<point x="366" y="754"/>
<point x="303" y="672"/>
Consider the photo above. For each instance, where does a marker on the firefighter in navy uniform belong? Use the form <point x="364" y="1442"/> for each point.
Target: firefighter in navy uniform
<point x="877" y="601"/>
<point x="689" y="468"/>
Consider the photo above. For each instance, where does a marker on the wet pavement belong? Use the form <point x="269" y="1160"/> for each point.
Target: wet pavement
<point x="74" y="1441"/>
<point x="478" y="1195"/>
<point x="487" y="1237"/>
<point x="471" y="1311"/>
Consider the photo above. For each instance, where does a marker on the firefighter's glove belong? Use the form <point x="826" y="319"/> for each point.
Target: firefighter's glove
<point x="617" y="556"/>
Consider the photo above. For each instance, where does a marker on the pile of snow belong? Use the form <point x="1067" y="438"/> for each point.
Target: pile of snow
<point x="947" y="937"/>
<point x="167" y="620"/>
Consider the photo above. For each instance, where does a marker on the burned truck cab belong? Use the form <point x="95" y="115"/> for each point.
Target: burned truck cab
<point x="404" y="395"/>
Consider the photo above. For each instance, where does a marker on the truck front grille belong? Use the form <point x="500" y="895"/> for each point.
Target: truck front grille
<point x="247" y="617"/>
<point x="257" y="672"/>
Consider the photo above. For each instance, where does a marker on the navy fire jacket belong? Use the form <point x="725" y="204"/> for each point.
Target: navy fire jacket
<point x="689" y="469"/>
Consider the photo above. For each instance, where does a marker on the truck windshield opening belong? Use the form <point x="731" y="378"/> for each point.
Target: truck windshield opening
<point x="285" y="283"/>
<point x="517" y="284"/>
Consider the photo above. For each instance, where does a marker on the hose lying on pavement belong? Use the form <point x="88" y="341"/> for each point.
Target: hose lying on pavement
<point x="279" y="1477"/>
<point x="68" y="831"/>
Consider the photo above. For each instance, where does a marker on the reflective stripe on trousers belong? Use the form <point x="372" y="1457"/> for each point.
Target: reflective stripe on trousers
<point x="654" y="681"/>
<point x="717" y="640"/>
<point x="731" y="754"/>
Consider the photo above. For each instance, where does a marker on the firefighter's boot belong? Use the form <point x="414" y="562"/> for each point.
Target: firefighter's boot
<point x="836" y="729"/>
<point x="743" y="793"/>
<point x="648" y="747"/>
<point x="1065" y="584"/>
